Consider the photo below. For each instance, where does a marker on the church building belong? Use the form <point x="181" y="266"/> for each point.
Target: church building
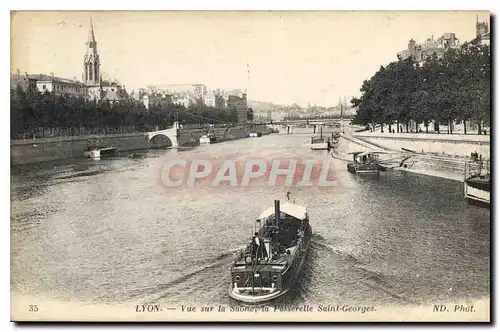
<point x="92" y="67"/>
<point x="97" y="87"/>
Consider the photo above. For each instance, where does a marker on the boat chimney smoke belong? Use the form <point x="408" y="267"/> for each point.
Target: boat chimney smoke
<point x="277" y="212"/>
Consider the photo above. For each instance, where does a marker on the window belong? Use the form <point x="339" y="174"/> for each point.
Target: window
<point x="112" y="89"/>
<point x="44" y="87"/>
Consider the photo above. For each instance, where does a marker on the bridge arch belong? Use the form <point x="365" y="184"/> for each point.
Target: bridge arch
<point x="160" y="140"/>
<point x="165" y="138"/>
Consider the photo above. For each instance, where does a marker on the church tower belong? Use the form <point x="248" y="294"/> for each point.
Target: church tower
<point x="481" y="27"/>
<point x="91" y="66"/>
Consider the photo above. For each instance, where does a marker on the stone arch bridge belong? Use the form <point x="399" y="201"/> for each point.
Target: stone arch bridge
<point x="170" y="135"/>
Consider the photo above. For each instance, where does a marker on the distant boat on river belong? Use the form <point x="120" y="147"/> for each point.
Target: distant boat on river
<point x="96" y="151"/>
<point x="208" y="138"/>
<point x="477" y="182"/>
<point x="321" y="142"/>
<point x="366" y="163"/>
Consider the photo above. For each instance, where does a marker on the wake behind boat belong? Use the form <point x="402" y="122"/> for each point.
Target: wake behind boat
<point x="270" y="264"/>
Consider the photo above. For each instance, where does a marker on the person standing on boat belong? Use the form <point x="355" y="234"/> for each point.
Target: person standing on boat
<point x="255" y="245"/>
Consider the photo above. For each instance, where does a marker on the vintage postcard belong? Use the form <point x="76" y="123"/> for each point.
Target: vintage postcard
<point x="285" y="166"/>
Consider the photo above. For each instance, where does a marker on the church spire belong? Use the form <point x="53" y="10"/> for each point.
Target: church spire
<point x="91" y="42"/>
<point x="91" y="63"/>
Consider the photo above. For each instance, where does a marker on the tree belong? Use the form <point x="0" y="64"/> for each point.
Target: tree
<point x="454" y="88"/>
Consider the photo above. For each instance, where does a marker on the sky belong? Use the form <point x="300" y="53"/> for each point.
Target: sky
<point x="311" y="57"/>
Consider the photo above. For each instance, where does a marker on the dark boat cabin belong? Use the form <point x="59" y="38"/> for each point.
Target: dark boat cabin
<point x="276" y="235"/>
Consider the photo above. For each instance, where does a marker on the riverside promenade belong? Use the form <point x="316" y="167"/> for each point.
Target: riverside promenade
<point x="444" y="144"/>
<point x="438" y="155"/>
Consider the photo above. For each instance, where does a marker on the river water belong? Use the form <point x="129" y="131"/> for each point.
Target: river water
<point x="109" y="231"/>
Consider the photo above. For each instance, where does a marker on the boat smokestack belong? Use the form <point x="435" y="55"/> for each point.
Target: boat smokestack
<point x="277" y="212"/>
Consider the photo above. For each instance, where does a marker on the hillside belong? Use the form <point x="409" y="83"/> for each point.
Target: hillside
<point x="262" y="106"/>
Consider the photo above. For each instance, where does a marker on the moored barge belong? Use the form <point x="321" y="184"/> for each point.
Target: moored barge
<point x="209" y="138"/>
<point x="365" y="163"/>
<point x="477" y="182"/>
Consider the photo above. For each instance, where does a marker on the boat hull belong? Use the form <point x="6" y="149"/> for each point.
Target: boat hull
<point x="319" y="146"/>
<point x="255" y="298"/>
<point x="93" y="154"/>
<point x="207" y="140"/>
<point x="98" y="153"/>
<point x="477" y="193"/>
<point x="362" y="170"/>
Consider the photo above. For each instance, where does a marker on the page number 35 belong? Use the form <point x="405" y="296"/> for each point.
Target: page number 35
<point x="33" y="308"/>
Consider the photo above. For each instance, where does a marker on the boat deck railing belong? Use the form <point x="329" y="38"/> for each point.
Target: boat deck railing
<point x="475" y="168"/>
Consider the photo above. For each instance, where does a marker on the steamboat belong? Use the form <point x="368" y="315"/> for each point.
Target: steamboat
<point x="270" y="264"/>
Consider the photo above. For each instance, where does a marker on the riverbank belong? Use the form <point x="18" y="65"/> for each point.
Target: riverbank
<point x="58" y="148"/>
<point x="444" y="144"/>
<point x="50" y="149"/>
<point x="447" y="166"/>
<point x="444" y="174"/>
<point x="436" y="173"/>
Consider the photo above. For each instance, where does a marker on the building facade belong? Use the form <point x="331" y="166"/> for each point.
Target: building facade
<point x="239" y="104"/>
<point x="196" y="94"/>
<point x="209" y="99"/>
<point x="152" y="99"/>
<point x="219" y="100"/>
<point x="438" y="47"/>
<point x="183" y="94"/>
<point x="61" y="86"/>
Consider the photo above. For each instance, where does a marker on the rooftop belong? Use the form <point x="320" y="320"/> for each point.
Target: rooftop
<point x="50" y="78"/>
